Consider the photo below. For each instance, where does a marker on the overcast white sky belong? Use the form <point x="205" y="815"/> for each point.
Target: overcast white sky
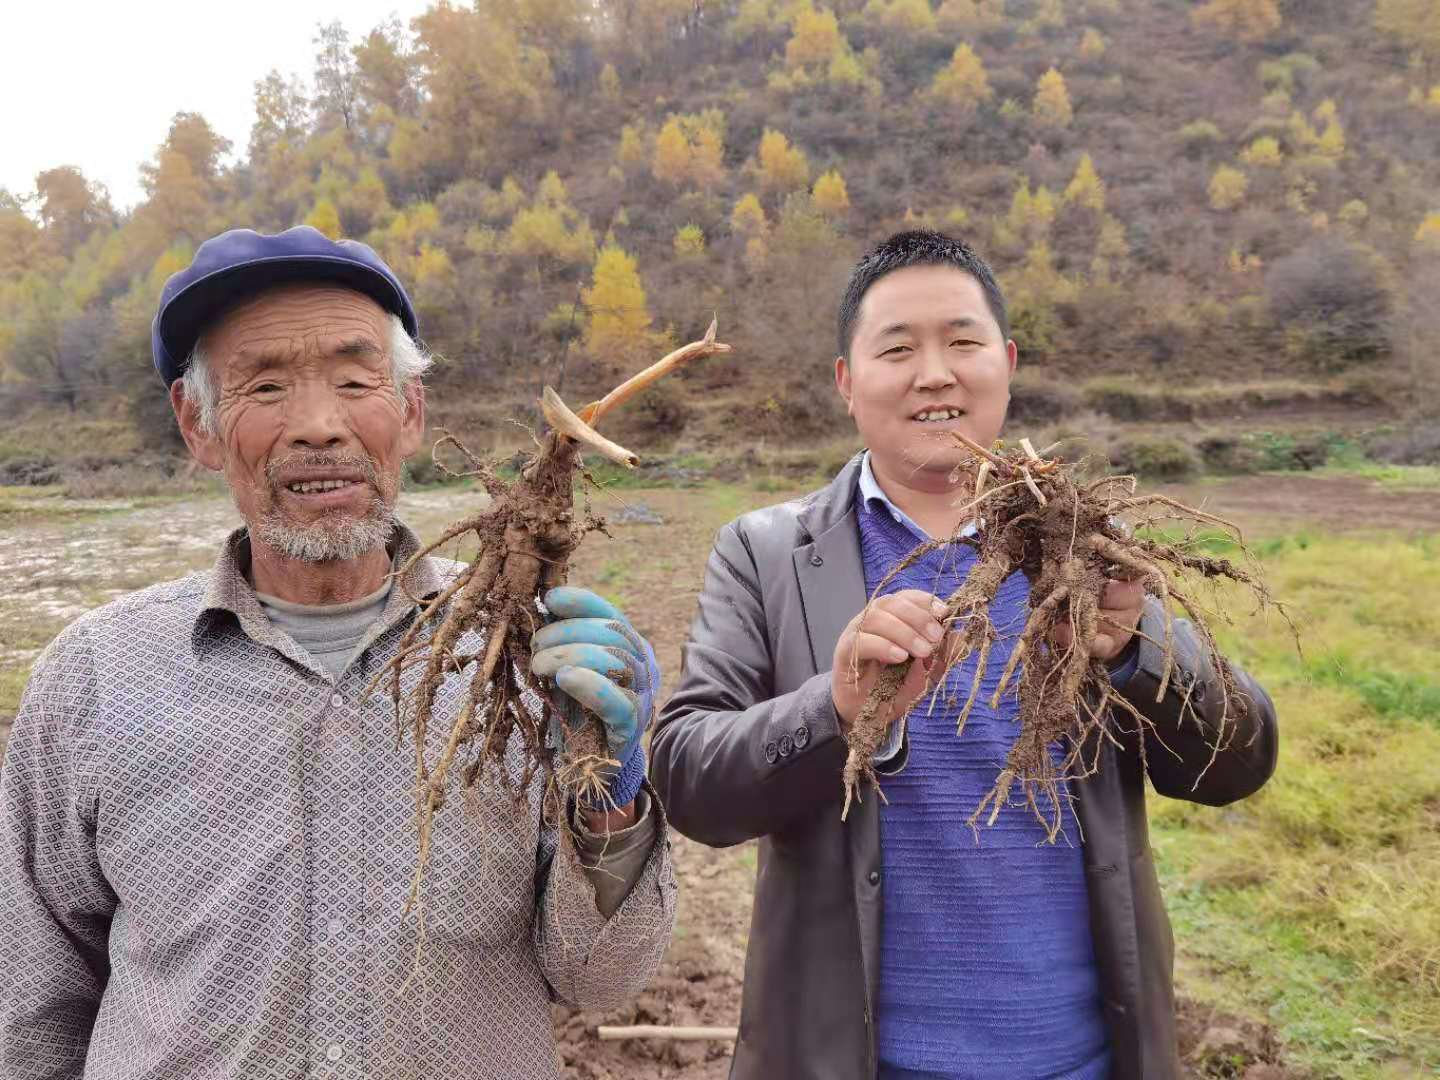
<point x="95" y="84"/>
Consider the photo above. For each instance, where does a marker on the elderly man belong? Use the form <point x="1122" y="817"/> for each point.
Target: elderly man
<point x="207" y="830"/>
<point x="897" y="942"/>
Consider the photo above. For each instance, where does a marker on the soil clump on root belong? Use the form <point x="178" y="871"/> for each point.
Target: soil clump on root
<point x="525" y="539"/>
<point x="1069" y="536"/>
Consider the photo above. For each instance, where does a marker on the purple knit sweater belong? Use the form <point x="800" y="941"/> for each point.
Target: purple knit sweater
<point x="987" y="969"/>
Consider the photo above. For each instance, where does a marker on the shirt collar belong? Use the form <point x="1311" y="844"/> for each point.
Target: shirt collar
<point x="872" y="495"/>
<point x="230" y="592"/>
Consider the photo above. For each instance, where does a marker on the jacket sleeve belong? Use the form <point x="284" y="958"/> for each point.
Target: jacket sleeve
<point x="589" y="959"/>
<point x="732" y="760"/>
<point x="57" y="903"/>
<point x="1181" y="744"/>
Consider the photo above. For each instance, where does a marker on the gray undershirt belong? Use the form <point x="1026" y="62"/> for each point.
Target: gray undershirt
<point x="332" y="634"/>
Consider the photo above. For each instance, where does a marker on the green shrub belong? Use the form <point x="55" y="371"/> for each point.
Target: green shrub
<point x="1156" y="459"/>
<point x="1041" y="403"/>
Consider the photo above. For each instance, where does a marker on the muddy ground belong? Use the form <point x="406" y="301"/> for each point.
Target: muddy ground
<point x="64" y="559"/>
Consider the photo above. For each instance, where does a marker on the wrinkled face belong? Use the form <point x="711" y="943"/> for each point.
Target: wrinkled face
<point x="309" y="432"/>
<point x="928" y="357"/>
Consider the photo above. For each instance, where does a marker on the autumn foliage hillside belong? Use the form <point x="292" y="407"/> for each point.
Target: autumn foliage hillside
<point x="1199" y="210"/>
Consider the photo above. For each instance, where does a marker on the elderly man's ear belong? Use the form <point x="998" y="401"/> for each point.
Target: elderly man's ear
<point x="413" y="432"/>
<point x="204" y="447"/>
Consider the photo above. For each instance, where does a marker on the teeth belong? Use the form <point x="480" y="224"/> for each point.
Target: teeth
<point x="939" y="414"/>
<point x="305" y="487"/>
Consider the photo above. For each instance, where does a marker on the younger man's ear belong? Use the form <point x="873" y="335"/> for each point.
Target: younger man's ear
<point x="842" y="383"/>
<point x="1012" y="351"/>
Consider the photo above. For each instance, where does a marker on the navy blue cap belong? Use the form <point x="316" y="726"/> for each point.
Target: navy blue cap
<point x="231" y="266"/>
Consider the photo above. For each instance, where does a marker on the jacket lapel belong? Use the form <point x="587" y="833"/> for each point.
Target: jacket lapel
<point x="831" y="578"/>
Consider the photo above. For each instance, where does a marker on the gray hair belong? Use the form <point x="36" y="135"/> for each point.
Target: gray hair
<point x="409" y="360"/>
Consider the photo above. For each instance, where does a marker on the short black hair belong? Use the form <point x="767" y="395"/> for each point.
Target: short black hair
<point x="918" y="247"/>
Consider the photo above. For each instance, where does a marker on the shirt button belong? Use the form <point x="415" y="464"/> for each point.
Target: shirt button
<point x="334" y="1052"/>
<point x="337" y="700"/>
<point x="817" y="560"/>
<point x="335" y="927"/>
<point x="874" y="877"/>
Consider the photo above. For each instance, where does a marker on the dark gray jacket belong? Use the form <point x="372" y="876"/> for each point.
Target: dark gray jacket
<point x="749" y="746"/>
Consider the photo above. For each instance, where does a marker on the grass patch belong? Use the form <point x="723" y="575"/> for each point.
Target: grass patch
<point x="62" y="437"/>
<point x="1316" y="903"/>
<point x="12" y="685"/>
<point x="1400" y="477"/>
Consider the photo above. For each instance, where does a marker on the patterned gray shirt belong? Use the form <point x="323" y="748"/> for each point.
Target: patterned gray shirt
<point x="205" y="844"/>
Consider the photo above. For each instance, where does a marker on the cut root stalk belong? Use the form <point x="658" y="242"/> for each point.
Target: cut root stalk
<point x="479" y="627"/>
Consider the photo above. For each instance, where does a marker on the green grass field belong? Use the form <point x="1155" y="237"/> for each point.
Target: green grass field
<point x="1316" y="903"/>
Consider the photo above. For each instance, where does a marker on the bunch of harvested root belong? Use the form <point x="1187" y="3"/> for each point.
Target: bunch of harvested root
<point x="526" y="536"/>
<point x="1069" y="537"/>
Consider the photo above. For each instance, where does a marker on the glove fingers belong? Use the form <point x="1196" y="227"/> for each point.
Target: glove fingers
<point x="609" y="662"/>
<point x="568" y="602"/>
<point x="612" y="704"/>
<point x="579" y="631"/>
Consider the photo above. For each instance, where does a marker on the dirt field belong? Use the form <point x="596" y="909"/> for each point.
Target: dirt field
<point x="68" y="559"/>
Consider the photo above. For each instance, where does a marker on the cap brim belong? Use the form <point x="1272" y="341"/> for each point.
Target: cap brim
<point x="190" y="311"/>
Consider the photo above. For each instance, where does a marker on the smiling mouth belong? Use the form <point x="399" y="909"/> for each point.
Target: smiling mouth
<point x="935" y="416"/>
<point x="311" y="487"/>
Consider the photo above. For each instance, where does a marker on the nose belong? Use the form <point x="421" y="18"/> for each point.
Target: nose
<point x="317" y="416"/>
<point x="933" y="370"/>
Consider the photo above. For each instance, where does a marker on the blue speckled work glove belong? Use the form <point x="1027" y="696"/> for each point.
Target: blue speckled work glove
<point x="602" y="667"/>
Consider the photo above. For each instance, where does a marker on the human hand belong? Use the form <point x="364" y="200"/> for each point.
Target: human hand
<point x="601" y="668"/>
<point x="894" y="628"/>
<point x="1120" y="606"/>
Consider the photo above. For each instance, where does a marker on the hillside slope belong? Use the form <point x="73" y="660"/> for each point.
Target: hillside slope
<point x="1229" y="204"/>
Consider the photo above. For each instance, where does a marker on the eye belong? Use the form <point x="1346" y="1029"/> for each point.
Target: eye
<point x="266" y="388"/>
<point x="964" y="343"/>
<point x="896" y="350"/>
<point x="353" y="385"/>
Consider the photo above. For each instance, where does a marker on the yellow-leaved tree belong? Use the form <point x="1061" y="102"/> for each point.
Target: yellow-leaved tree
<point x="830" y="195"/>
<point x="672" y="153"/>
<point x="908" y="18"/>
<point x="1415" y="22"/>
<point x="815" y="38"/>
<point x="782" y="167"/>
<point x="619" y="326"/>
<point x="1086" y="189"/>
<point x="970" y="16"/>
<point x="689" y="242"/>
<point x="326" y="218"/>
<point x="690" y="148"/>
<point x="1092" y="44"/>
<point x="1033" y="291"/>
<point x="610" y="83"/>
<point x="748" y="217"/>
<point x="1242" y="20"/>
<point x="1030" y="215"/>
<point x="1331" y="142"/>
<point x="630" y="154"/>
<point x="1227" y="188"/>
<point x="1427" y="236"/>
<point x="1052" y="107"/>
<point x="550" y="230"/>
<point x="963" y="84"/>
<point x="1263" y="153"/>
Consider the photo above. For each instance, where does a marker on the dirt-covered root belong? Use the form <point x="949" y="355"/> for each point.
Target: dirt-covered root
<point x="1069" y="539"/>
<point x="479" y="626"/>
